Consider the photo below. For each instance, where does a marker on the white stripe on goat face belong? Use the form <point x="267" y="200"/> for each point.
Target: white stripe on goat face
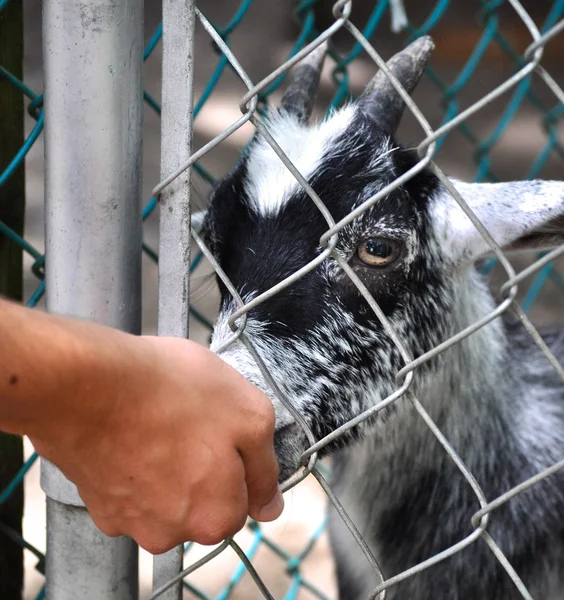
<point x="269" y="184"/>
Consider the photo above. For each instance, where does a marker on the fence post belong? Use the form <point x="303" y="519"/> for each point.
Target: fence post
<point x="174" y="246"/>
<point x="93" y="117"/>
<point x="12" y="209"/>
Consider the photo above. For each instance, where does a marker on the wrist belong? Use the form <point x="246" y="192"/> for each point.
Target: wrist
<point x="84" y="395"/>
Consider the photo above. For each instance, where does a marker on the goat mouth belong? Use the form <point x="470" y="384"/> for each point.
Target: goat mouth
<point x="285" y="428"/>
<point x="289" y="444"/>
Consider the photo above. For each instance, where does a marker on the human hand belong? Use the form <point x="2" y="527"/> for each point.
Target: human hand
<point x="168" y="444"/>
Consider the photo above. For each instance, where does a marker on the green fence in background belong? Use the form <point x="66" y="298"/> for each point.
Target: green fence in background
<point x="305" y="12"/>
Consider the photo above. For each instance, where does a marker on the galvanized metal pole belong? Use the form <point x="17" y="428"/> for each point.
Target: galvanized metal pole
<point x="174" y="247"/>
<point x="93" y="117"/>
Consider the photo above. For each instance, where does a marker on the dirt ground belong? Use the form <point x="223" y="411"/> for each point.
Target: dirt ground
<point x="261" y="43"/>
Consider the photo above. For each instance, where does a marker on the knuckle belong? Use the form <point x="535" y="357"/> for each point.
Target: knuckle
<point x="155" y="547"/>
<point x="154" y="544"/>
<point x="209" y="538"/>
<point x="217" y="529"/>
<point x="107" y="527"/>
<point x="265" y="420"/>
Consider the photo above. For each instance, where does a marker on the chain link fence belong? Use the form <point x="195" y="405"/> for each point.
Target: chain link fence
<point x="528" y="85"/>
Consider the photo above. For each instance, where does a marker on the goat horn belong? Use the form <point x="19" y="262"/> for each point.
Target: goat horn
<point x="300" y="95"/>
<point x="381" y="100"/>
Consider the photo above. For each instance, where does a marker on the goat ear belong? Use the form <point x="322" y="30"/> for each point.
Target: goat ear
<point x="518" y="215"/>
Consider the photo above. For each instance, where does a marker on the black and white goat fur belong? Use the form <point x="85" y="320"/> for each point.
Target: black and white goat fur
<point x="493" y="395"/>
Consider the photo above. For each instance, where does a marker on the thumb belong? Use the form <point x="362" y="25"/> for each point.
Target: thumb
<point x="261" y="476"/>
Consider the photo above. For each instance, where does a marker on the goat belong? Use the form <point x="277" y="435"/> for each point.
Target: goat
<point x="493" y="395"/>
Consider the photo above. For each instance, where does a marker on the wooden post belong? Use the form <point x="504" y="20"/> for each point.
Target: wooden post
<point x="12" y="206"/>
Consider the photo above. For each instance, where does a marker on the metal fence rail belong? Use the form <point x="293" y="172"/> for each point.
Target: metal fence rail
<point x="515" y="91"/>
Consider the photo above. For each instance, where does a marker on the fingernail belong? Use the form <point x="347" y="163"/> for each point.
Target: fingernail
<point x="273" y="509"/>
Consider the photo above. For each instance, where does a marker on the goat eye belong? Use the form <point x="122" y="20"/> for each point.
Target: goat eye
<point x="377" y="252"/>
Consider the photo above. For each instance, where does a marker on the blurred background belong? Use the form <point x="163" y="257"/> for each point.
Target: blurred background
<point x="479" y="45"/>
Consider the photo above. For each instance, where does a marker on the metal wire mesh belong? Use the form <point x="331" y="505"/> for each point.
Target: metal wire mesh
<point x="253" y="106"/>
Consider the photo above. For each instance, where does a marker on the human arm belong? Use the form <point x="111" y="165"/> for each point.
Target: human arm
<point x="165" y="442"/>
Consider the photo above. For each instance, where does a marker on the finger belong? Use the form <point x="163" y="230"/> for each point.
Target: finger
<point x="225" y="520"/>
<point x="98" y="511"/>
<point x="155" y="542"/>
<point x="261" y="476"/>
<point x="221" y="508"/>
<point x="107" y="526"/>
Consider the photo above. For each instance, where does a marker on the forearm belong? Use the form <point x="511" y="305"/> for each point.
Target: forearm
<point x="53" y="370"/>
<point x="164" y="441"/>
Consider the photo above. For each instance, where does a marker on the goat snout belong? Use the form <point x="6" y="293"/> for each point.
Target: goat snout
<point x="289" y="440"/>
